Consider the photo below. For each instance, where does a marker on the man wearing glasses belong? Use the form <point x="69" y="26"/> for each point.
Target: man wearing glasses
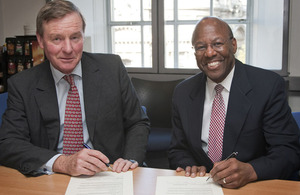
<point x="231" y="108"/>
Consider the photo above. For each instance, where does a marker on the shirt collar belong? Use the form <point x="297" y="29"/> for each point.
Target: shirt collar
<point x="226" y="82"/>
<point x="57" y="75"/>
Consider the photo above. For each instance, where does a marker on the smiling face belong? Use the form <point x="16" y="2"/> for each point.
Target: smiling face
<point x="217" y="59"/>
<point x="62" y="41"/>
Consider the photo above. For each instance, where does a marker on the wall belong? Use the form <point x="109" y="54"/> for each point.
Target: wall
<point x="294" y="49"/>
<point x="14" y="14"/>
<point x="17" y="13"/>
<point x="1" y="23"/>
<point x="294" y="43"/>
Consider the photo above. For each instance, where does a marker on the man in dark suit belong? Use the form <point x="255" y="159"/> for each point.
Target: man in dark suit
<point x="258" y="123"/>
<point x="113" y="123"/>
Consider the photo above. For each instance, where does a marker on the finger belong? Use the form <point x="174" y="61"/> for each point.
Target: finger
<point x="188" y="171"/>
<point x="122" y="165"/>
<point x="202" y="171"/>
<point x="91" y="167"/>
<point x="126" y="166"/>
<point x="194" y="171"/>
<point x="93" y="159"/>
<point x="77" y="166"/>
<point x="134" y="165"/>
<point x="96" y="154"/>
<point x="116" y="163"/>
<point x="226" y="169"/>
<point x="227" y="182"/>
<point x="218" y="168"/>
<point x="179" y="169"/>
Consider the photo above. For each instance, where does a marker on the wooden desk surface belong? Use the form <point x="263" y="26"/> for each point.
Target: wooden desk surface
<point x="144" y="179"/>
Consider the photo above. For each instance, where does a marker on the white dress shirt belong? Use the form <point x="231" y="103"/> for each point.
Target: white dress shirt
<point x="62" y="88"/>
<point x="210" y="93"/>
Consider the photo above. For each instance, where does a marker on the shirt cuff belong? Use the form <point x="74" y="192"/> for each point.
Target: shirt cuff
<point x="47" y="167"/>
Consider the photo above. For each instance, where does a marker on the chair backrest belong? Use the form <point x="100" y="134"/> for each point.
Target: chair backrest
<point x="3" y="104"/>
<point x="296" y="116"/>
<point x="156" y="96"/>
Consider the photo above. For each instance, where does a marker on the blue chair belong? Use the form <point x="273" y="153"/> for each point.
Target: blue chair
<point x="296" y="116"/>
<point x="3" y="104"/>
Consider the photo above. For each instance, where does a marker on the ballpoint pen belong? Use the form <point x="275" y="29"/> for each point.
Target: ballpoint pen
<point x="88" y="147"/>
<point x="232" y="155"/>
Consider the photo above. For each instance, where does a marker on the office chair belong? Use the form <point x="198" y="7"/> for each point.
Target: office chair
<point x="156" y="96"/>
<point x="3" y="104"/>
<point x="296" y="116"/>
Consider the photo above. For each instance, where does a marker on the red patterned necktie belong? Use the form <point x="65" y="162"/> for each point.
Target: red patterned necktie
<point x="216" y="127"/>
<point x="73" y="135"/>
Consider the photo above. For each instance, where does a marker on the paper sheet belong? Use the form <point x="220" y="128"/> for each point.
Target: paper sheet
<point x="181" y="185"/>
<point x="102" y="183"/>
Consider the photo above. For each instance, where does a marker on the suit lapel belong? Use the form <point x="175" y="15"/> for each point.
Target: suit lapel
<point x="195" y="110"/>
<point x="195" y="114"/>
<point x="92" y="84"/>
<point x="46" y="98"/>
<point x="238" y="108"/>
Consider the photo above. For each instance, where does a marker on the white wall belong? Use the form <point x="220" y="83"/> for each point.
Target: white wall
<point x="14" y="14"/>
<point x="1" y="23"/>
<point x="294" y="42"/>
<point x="265" y="29"/>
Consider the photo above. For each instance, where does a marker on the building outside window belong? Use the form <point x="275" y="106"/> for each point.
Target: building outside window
<point x="154" y="36"/>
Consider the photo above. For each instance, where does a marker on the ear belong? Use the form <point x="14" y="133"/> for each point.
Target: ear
<point x="234" y="45"/>
<point x="40" y="40"/>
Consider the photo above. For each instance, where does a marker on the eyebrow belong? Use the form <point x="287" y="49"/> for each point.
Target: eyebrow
<point x="215" y="39"/>
<point x="62" y="35"/>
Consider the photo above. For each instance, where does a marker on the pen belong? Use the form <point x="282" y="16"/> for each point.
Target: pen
<point x="232" y="155"/>
<point x="88" y="147"/>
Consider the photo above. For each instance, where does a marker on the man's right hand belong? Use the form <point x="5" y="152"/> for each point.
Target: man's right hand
<point x="84" y="162"/>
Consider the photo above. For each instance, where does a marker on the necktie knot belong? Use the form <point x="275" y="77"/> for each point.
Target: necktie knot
<point x="69" y="79"/>
<point x="219" y="88"/>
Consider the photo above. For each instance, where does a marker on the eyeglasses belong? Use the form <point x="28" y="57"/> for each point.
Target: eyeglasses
<point x="217" y="46"/>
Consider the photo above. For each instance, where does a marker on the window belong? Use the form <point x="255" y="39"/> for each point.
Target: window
<point x="180" y="17"/>
<point x="130" y="31"/>
<point x="155" y="35"/>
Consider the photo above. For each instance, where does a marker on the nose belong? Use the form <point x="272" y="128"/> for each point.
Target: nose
<point x="210" y="52"/>
<point x="67" y="46"/>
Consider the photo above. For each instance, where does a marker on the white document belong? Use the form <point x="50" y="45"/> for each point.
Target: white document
<point x="181" y="185"/>
<point x="102" y="183"/>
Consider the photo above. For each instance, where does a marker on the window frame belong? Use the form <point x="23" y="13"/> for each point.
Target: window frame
<point x="158" y="57"/>
<point x="111" y="23"/>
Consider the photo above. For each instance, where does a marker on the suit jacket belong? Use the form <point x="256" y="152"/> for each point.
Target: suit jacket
<point x="258" y="125"/>
<point x="117" y="125"/>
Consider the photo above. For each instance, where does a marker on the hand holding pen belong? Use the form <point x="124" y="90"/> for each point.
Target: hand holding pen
<point x="232" y="155"/>
<point x="107" y="164"/>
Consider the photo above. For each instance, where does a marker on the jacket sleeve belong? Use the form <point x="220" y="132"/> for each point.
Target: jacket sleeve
<point x="281" y="135"/>
<point x="16" y="143"/>
<point x="136" y="122"/>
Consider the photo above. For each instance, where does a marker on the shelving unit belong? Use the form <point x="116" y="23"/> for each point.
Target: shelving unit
<point x="18" y="54"/>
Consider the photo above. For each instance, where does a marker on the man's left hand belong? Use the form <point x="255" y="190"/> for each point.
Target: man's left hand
<point x="123" y="165"/>
<point x="233" y="173"/>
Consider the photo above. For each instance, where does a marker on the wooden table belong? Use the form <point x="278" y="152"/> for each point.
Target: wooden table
<point x="144" y="179"/>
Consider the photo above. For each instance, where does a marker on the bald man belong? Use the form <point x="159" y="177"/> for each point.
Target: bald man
<point x="256" y="119"/>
